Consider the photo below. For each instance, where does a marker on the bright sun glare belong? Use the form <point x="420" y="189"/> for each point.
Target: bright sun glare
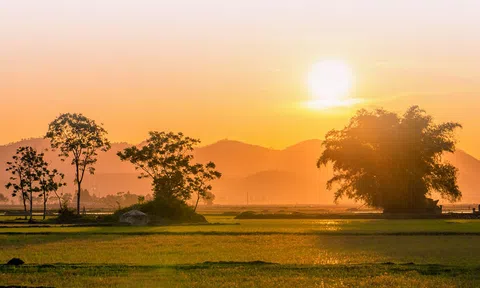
<point x="330" y="82"/>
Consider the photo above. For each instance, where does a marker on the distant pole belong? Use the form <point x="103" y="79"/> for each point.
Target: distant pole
<point x="247" y="197"/>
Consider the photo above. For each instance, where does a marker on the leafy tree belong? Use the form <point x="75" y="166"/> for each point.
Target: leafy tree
<point x="80" y="138"/>
<point x="120" y="199"/>
<point x="61" y="197"/>
<point x="209" y="198"/>
<point x="17" y="180"/>
<point x="86" y="196"/>
<point x="50" y="181"/>
<point x="65" y="199"/>
<point x="26" y="169"/>
<point x="392" y="162"/>
<point x="201" y="176"/>
<point x="166" y="158"/>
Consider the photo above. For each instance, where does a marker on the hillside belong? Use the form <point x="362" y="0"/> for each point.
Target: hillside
<point x="266" y="176"/>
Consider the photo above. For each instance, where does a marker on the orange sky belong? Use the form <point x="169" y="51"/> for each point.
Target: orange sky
<point x="232" y="69"/>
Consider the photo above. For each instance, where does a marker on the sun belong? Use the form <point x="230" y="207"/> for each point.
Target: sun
<point x="330" y="79"/>
<point x="330" y="82"/>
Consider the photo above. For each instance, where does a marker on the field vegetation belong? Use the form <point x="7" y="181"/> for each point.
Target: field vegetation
<point x="230" y="252"/>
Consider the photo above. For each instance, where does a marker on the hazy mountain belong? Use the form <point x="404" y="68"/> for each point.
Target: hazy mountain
<point x="237" y="159"/>
<point x="266" y="176"/>
<point x="469" y="175"/>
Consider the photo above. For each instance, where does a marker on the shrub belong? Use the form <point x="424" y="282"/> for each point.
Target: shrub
<point x="67" y="215"/>
<point x="247" y="215"/>
<point x="163" y="211"/>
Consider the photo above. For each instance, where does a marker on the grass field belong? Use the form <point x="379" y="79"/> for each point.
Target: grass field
<point x="243" y="253"/>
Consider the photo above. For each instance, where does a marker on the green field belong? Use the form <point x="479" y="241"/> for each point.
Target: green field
<point x="265" y="253"/>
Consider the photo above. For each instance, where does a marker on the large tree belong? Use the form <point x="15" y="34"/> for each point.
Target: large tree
<point x="167" y="158"/>
<point x="392" y="161"/>
<point x="80" y="138"/>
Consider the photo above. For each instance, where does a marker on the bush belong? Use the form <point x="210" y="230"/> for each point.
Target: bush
<point x="230" y="213"/>
<point x="67" y="215"/>
<point x="164" y="211"/>
<point x="247" y="215"/>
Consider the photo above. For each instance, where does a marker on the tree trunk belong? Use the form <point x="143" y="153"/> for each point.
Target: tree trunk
<point x="24" y="205"/>
<point x="78" y="196"/>
<point x="31" y="206"/>
<point x="79" y="185"/>
<point x="59" y="200"/>
<point x="196" y="204"/>
<point x="44" y="204"/>
<point x="23" y="195"/>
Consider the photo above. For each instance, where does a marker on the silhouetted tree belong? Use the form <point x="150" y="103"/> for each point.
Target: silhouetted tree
<point x="166" y="158"/>
<point x="392" y="162"/>
<point x="26" y="168"/>
<point x="209" y="198"/>
<point x="86" y="196"/>
<point x="65" y="199"/>
<point x="201" y="176"/>
<point x="61" y="197"/>
<point x="49" y="181"/>
<point x="120" y="199"/>
<point x="80" y="138"/>
<point x="17" y="180"/>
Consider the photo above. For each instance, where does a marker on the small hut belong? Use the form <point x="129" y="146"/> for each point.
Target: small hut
<point x="134" y="217"/>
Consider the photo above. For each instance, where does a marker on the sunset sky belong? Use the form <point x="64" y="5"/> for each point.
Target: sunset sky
<point x="233" y="69"/>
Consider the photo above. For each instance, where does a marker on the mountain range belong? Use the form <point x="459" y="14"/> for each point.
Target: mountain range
<point x="251" y="174"/>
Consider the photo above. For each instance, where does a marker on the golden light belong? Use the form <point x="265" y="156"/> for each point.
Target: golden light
<point x="330" y="82"/>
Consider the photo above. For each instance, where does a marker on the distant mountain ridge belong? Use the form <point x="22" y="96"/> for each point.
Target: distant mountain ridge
<point x="264" y="175"/>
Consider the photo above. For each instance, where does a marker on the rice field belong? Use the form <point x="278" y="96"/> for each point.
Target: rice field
<point x="247" y="253"/>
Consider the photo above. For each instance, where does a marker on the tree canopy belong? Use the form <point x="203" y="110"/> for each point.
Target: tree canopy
<point x="167" y="158"/>
<point x="49" y="181"/>
<point x="392" y="161"/>
<point x="80" y="138"/>
<point x="30" y="174"/>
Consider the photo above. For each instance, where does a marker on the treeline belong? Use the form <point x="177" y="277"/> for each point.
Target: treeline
<point x="116" y="201"/>
<point x="111" y="201"/>
<point x="166" y="159"/>
<point x="380" y="158"/>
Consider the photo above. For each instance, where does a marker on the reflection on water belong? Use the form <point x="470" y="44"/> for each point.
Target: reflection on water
<point x="444" y="210"/>
<point x="325" y="225"/>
